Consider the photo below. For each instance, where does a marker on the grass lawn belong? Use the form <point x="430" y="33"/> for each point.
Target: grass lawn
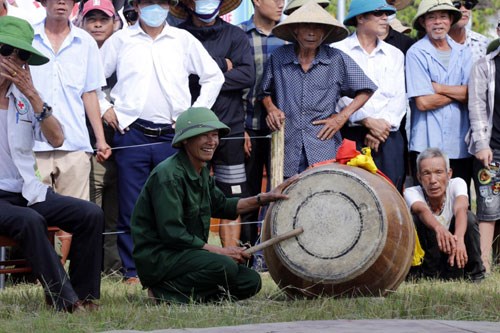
<point x="127" y="307"/>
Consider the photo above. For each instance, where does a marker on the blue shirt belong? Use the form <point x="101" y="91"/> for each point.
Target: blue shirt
<point x="308" y="96"/>
<point x="262" y="47"/>
<point x="75" y="69"/>
<point x="445" y="127"/>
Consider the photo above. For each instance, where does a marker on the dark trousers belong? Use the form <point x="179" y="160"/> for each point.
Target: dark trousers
<point x="254" y="166"/>
<point x="435" y="262"/>
<point x="390" y="156"/>
<point x="208" y="277"/>
<point x="28" y="226"/>
<point x="134" y="166"/>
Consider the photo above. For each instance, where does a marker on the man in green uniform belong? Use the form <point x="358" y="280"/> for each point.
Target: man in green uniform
<point x="171" y="221"/>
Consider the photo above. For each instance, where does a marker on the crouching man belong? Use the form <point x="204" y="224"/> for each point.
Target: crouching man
<point x="448" y="232"/>
<point x="171" y="221"/>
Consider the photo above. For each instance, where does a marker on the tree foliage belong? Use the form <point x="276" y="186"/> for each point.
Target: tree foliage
<point x="485" y="14"/>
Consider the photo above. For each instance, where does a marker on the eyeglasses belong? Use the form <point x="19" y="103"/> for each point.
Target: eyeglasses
<point x="468" y="4"/>
<point x="6" y="50"/>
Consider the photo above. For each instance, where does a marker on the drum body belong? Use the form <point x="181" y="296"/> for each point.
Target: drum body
<point x="358" y="234"/>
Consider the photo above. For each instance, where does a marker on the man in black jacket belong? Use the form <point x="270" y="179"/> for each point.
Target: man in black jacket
<point x="230" y="48"/>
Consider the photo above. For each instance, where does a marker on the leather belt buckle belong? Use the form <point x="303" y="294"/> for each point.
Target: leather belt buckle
<point x="152" y="132"/>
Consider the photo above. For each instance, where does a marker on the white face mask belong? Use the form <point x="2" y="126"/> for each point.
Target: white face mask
<point x="153" y="16"/>
<point x="207" y="10"/>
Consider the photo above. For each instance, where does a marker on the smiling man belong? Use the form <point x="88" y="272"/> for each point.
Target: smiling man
<point x="447" y="231"/>
<point x="171" y="221"/>
<point x="437" y="73"/>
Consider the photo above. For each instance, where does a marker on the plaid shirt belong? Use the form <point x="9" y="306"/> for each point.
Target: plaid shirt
<point x="481" y="102"/>
<point x="262" y="47"/>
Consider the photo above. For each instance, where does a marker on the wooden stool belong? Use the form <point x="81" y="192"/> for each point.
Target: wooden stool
<point x="19" y="265"/>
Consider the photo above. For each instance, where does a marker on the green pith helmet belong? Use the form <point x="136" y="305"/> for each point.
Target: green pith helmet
<point x="196" y="121"/>
<point x="427" y="6"/>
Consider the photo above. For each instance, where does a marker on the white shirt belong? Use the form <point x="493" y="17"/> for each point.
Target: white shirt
<point x="74" y="70"/>
<point x="456" y="187"/>
<point x="385" y="67"/>
<point x="18" y="131"/>
<point x="172" y="57"/>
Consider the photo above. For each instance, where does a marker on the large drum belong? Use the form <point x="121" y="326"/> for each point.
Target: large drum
<point x="358" y="234"/>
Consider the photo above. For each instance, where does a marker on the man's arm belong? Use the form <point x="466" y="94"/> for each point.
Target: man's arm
<point x="335" y="122"/>
<point x="446" y="241"/>
<point x="460" y="209"/>
<point x="275" y="117"/>
<point x="92" y="110"/>
<point x="444" y="95"/>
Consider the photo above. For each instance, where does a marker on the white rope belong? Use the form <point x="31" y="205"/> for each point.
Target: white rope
<point x="159" y="143"/>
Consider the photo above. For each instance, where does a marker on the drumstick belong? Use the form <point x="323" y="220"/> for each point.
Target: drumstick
<point x="277" y="157"/>
<point x="275" y="240"/>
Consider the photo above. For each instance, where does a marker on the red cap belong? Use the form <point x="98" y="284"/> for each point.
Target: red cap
<point x="105" y="6"/>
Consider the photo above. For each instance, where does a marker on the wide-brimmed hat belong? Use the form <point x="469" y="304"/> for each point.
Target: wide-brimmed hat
<point x="399" y="4"/>
<point x="296" y="4"/>
<point x="428" y="6"/>
<point x="399" y="27"/>
<point x="180" y="10"/>
<point x="196" y="121"/>
<point x="18" y="33"/>
<point x="311" y="12"/>
<point x="359" y="7"/>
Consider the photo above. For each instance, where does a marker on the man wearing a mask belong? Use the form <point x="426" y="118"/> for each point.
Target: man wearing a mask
<point x="229" y="47"/>
<point x="153" y="62"/>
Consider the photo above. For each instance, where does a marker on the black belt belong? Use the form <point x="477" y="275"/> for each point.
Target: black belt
<point x="151" y="131"/>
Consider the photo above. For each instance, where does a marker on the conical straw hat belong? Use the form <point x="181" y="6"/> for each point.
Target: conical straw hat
<point x="296" y="4"/>
<point x="311" y="12"/>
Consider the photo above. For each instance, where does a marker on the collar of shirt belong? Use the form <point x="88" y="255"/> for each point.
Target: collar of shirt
<point x="136" y="29"/>
<point x="189" y="168"/>
<point x="321" y="57"/>
<point x="353" y="43"/>
<point x="74" y="33"/>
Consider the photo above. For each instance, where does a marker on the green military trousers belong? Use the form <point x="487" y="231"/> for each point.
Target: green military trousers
<point x="208" y="277"/>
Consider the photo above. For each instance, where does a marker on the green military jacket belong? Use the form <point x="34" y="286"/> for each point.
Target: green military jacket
<point x="172" y="217"/>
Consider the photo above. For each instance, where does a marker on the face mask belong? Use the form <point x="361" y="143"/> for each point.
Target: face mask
<point x="153" y="16"/>
<point x="207" y="10"/>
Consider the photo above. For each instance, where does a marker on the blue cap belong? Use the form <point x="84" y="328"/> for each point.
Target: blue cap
<point x="359" y="7"/>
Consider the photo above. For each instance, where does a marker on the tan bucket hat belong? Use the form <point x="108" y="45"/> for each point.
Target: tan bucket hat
<point x="427" y="6"/>
<point x="311" y="12"/>
<point x="400" y="4"/>
<point x="180" y="10"/>
<point x="296" y="4"/>
<point x="399" y="27"/>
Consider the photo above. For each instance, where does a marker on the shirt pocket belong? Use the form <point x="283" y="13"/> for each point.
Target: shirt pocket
<point x="73" y="76"/>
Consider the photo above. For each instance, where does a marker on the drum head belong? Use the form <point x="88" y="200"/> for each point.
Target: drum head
<point x="345" y="227"/>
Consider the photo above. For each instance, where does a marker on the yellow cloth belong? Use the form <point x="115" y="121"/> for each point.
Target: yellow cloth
<point x="364" y="160"/>
<point x="418" y="252"/>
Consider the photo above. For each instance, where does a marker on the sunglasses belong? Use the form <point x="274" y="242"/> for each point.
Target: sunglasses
<point x="468" y="4"/>
<point x="131" y="16"/>
<point x="7" y="50"/>
<point x="379" y="13"/>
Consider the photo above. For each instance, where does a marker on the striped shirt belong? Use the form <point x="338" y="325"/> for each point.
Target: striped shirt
<point x="262" y="47"/>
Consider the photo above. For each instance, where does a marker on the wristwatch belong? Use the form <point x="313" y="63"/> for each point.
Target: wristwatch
<point x="46" y="112"/>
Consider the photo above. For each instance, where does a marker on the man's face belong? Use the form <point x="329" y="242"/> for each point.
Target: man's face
<point x="434" y="177"/>
<point x="374" y="23"/>
<point x="58" y="9"/>
<point x="99" y="25"/>
<point x="309" y="35"/>
<point x="270" y="9"/>
<point x="466" y="15"/>
<point x="201" y="148"/>
<point x="437" y="24"/>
